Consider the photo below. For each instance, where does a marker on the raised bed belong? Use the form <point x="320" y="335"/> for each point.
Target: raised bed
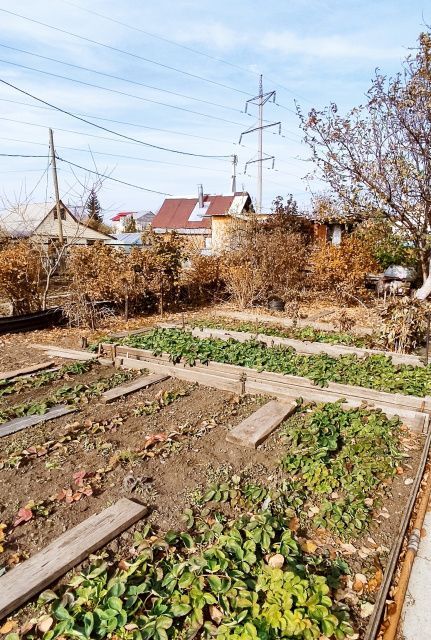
<point x="414" y="410"/>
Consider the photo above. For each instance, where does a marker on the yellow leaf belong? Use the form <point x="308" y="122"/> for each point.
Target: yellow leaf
<point x="8" y="626"/>
<point x="309" y="546"/>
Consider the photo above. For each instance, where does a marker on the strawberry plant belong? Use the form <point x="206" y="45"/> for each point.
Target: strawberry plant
<point x="66" y="395"/>
<point x="16" y="385"/>
<point x="375" y="372"/>
<point x="216" y="580"/>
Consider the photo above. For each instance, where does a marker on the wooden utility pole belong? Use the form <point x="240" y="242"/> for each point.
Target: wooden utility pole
<point x="55" y="179"/>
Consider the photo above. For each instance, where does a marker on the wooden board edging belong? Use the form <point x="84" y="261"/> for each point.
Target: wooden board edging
<point x="42" y="569"/>
<point x="306" y="347"/>
<point x="252" y="431"/>
<point x="131" y="387"/>
<point x="18" y="424"/>
<point x="231" y="378"/>
<point x="343" y="390"/>
<point x="33" y="368"/>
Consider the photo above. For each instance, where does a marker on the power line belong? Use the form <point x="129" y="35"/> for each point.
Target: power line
<point x="114" y="77"/>
<point x="182" y="46"/>
<point x="19" y="155"/>
<point x="98" y="126"/>
<point x="138" y="126"/>
<point x="117" y="155"/>
<point x="102" y="175"/>
<point x="127" y="53"/>
<point x="130" y="124"/>
<point x="118" y="92"/>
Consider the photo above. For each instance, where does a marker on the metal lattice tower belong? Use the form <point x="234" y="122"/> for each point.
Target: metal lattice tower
<point x="260" y="100"/>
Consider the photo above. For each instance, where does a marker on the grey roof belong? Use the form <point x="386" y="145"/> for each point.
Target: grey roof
<point x="127" y="238"/>
<point x="145" y="217"/>
<point x="22" y="220"/>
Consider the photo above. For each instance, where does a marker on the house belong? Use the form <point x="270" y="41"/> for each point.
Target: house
<point x="40" y="221"/>
<point x="122" y="219"/>
<point x="205" y="221"/>
<point x="144" y="219"/>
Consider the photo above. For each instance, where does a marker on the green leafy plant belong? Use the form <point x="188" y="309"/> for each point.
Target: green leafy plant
<point x="375" y="372"/>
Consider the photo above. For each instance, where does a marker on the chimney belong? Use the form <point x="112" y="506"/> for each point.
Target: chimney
<point x="201" y="196"/>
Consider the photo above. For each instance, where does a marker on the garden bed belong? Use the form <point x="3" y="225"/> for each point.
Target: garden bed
<point x="244" y="520"/>
<point x="375" y="372"/>
<point x="294" y="537"/>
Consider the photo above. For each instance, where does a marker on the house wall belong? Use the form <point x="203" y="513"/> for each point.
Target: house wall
<point x="225" y="230"/>
<point x="73" y="231"/>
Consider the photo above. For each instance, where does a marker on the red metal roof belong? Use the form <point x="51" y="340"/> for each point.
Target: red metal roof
<point x="122" y="214"/>
<point x="175" y="212"/>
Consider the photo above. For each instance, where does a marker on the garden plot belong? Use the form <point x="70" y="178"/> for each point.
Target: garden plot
<point x="63" y="471"/>
<point x="293" y="538"/>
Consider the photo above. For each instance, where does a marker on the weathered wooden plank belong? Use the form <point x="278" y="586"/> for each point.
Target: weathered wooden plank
<point x="32" y="576"/>
<point x="130" y="387"/>
<point x="17" y="424"/>
<point x="257" y="427"/>
<point x="8" y="375"/>
<point x="206" y="378"/>
<point x="342" y="390"/>
<point x="63" y="352"/>
<point x="231" y="378"/>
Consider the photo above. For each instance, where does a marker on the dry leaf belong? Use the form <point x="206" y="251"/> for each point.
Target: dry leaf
<point x="309" y="546"/>
<point x="276" y="561"/>
<point x="45" y="624"/>
<point x="24" y="515"/>
<point x="8" y="626"/>
<point x="366" y="609"/>
<point x="348" y="548"/>
<point x="215" y="614"/>
<point x="408" y="481"/>
<point x="294" y="524"/>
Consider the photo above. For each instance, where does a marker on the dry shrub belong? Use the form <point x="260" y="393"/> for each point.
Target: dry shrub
<point x="201" y="280"/>
<point x="136" y="279"/>
<point x="342" y="269"/>
<point x="404" y="324"/>
<point x="21" y="277"/>
<point x="269" y="263"/>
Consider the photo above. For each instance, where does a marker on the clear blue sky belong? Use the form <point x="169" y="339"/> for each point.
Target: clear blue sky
<point x="312" y="51"/>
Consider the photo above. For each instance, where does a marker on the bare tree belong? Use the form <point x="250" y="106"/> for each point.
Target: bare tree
<point x="377" y="158"/>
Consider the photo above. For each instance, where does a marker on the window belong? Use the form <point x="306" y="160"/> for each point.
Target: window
<point x="62" y="213"/>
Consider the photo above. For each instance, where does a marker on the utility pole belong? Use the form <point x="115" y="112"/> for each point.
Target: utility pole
<point x="55" y="179"/>
<point x="234" y="163"/>
<point x="260" y="100"/>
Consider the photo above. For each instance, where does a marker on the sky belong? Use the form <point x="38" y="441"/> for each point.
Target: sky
<point x="177" y="75"/>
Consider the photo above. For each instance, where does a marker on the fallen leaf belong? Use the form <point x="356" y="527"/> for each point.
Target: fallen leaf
<point x="408" y="481"/>
<point x="375" y="581"/>
<point x="215" y="614"/>
<point x="276" y="561"/>
<point x="123" y="565"/>
<point x="13" y="559"/>
<point x="8" y="626"/>
<point x="309" y="546"/>
<point x="367" y="609"/>
<point x="24" y="515"/>
<point x="294" y="524"/>
<point x="153" y="439"/>
<point x="348" y="548"/>
<point x="45" y="624"/>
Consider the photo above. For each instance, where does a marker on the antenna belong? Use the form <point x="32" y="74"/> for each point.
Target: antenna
<point x="260" y="100"/>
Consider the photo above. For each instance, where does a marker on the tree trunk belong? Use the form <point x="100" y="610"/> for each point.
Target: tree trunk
<point x="423" y="292"/>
